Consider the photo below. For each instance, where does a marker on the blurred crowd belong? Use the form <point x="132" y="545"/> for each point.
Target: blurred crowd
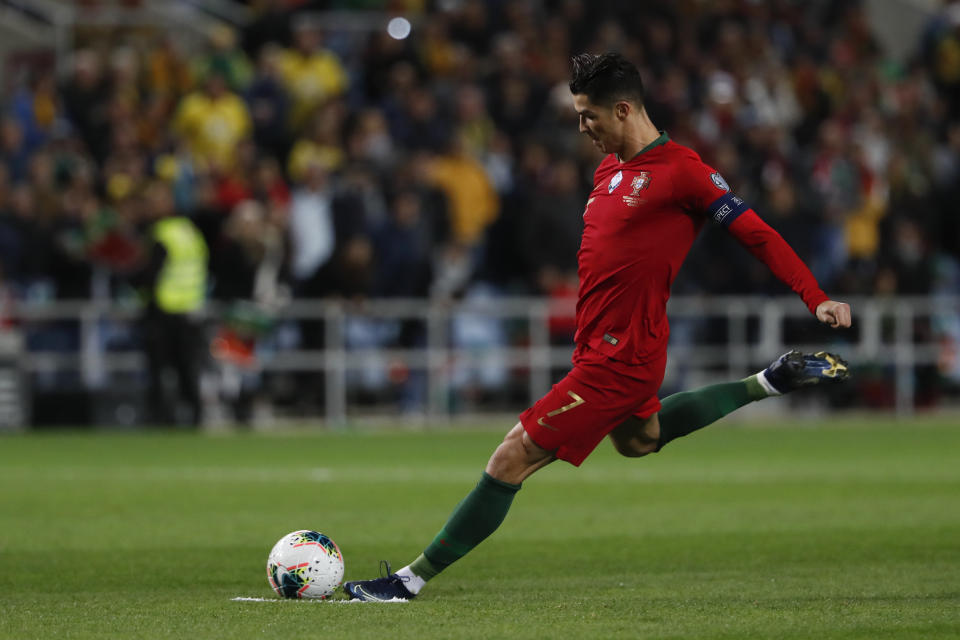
<point x="317" y="162"/>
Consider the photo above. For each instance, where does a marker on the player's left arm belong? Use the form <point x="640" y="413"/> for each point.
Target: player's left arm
<point x="769" y="247"/>
<point x="702" y="189"/>
<point x="836" y="314"/>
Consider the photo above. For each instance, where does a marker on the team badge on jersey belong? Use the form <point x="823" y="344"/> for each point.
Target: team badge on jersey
<point x="615" y="182"/>
<point x="719" y="182"/>
<point x="638" y="184"/>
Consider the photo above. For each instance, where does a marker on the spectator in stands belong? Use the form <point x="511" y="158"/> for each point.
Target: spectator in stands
<point x="224" y="58"/>
<point x="474" y="127"/>
<point x="322" y="142"/>
<point x="270" y="25"/>
<point x="11" y="235"/>
<point x="417" y="122"/>
<point x="369" y="140"/>
<point x="552" y="227"/>
<point x="213" y="122"/>
<point x="168" y="73"/>
<point x="249" y="264"/>
<point x="473" y="201"/>
<point x="908" y="257"/>
<point x="42" y="179"/>
<point x="247" y="272"/>
<point x="269" y="188"/>
<point x="24" y="248"/>
<point x="311" y="231"/>
<point x="14" y="153"/>
<point x="84" y="98"/>
<point x="7" y="315"/>
<point x="380" y="57"/>
<point x="403" y="247"/>
<point x="234" y="183"/>
<point x="941" y="50"/>
<point x="311" y="74"/>
<point x="438" y="51"/>
<point x="36" y="107"/>
<point x="269" y="104"/>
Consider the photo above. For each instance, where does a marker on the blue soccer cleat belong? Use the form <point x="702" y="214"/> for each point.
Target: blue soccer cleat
<point x="793" y="370"/>
<point x="389" y="588"/>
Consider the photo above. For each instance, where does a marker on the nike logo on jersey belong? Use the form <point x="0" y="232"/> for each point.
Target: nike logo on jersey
<point x="587" y="208"/>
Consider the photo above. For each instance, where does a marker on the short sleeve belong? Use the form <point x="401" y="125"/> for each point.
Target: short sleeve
<point x="701" y="190"/>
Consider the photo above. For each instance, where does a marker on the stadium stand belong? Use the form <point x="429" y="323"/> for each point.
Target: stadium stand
<point x="322" y="158"/>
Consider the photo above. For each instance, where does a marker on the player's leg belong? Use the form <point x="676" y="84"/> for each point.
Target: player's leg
<point x="567" y="424"/>
<point x="517" y="457"/>
<point x="484" y="508"/>
<point x="685" y="412"/>
<point x="476" y="517"/>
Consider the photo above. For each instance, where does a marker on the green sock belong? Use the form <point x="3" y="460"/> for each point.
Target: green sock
<point x="685" y="412"/>
<point x="475" y="518"/>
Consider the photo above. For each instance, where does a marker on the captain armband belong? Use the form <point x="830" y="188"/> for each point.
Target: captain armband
<point x="727" y="208"/>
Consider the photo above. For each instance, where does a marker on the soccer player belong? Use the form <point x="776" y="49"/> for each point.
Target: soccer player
<point x="650" y="198"/>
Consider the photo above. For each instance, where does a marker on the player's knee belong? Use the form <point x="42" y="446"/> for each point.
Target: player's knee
<point x="509" y="457"/>
<point x="634" y="448"/>
<point x="515" y="457"/>
<point x="532" y="451"/>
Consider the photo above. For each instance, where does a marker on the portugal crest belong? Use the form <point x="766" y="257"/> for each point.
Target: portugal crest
<point x="640" y="182"/>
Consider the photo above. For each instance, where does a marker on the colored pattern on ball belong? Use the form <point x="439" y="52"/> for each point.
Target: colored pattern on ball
<point x="305" y="564"/>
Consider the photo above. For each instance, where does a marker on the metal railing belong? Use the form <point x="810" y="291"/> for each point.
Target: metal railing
<point x="52" y="22"/>
<point x="754" y="331"/>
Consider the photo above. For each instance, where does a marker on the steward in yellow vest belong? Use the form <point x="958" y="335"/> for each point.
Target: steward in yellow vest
<point x="181" y="285"/>
<point x="175" y="284"/>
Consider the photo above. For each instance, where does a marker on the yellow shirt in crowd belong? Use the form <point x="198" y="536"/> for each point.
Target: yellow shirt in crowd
<point x="474" y="203"/>
<point x="310" y="81"/>
<point x="308" y="152"/>
<point x="213" y="127"/>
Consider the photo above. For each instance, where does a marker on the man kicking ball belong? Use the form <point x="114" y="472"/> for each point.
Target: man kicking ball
<point x="650" y="198"/>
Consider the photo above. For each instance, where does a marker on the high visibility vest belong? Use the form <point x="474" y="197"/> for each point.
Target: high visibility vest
<point x="182" y="283"/>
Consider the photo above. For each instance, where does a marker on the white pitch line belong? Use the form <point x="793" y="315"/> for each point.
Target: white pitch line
<point x="248" y="599"/>
<point x="243" y="599"/>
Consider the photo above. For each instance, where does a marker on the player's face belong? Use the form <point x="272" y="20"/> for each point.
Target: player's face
<point x="601" y="123"/>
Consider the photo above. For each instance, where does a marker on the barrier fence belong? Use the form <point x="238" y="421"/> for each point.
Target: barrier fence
<point x="713" y="338"/>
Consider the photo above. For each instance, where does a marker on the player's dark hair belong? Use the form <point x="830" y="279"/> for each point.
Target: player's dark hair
<point x="606" y="78"/>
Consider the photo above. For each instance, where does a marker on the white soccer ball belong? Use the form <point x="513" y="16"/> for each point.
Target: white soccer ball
<point x="305" y="564"/>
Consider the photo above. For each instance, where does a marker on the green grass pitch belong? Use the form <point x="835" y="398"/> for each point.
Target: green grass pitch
<point x="843" y="530"/>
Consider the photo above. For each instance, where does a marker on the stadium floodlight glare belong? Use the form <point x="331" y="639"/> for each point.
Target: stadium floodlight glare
<point x="398" y="28"/>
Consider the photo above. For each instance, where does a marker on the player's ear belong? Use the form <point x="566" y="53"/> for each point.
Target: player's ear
<point x="622" y="109"/>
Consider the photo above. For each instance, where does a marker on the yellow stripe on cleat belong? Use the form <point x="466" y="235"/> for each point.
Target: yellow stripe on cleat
<point x="837" y="366"/>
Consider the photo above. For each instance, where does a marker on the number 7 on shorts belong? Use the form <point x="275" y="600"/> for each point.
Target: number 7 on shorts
<point x="577" y="401"/>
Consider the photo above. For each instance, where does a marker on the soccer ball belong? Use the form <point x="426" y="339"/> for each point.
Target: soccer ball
<point x="305" y="564"/>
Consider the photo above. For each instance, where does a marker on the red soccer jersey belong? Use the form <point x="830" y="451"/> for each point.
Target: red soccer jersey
<point x="639" y="224"/>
